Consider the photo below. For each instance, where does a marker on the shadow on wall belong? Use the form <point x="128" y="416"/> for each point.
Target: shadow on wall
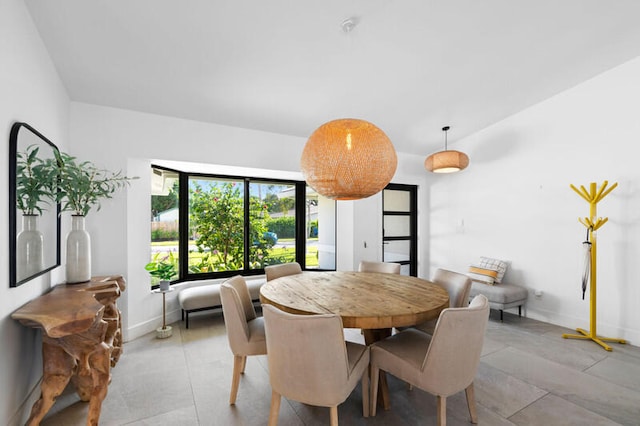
<point x="628" y="222"/>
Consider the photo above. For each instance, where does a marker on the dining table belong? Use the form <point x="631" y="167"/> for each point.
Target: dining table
<point x="372" y="301"/>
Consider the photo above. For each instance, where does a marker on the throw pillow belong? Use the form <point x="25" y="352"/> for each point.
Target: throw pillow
<point x="494" y="264"/>
<point x="482" y="275"/>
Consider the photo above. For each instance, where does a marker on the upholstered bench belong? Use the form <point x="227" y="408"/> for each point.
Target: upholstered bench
<point x="501" y="296"/>
<point x="204" y="297"/>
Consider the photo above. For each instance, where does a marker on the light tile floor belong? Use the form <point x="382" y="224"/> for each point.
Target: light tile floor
<point x="528" y="375"/>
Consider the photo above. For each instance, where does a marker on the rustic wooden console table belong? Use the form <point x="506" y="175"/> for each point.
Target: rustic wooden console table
<point x="81" y="341"/>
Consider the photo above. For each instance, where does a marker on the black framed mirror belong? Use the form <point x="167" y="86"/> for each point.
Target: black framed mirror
<point x="34" y="215"/>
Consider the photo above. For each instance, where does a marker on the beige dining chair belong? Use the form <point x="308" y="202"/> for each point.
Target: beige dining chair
<point x="282" y="270"/>
<point x="457" y="285"/>
<point x="442" y="364"/>
<point x="245" y="330"/>
<point x="389" y="268"/>
<point x="310" y="362"/>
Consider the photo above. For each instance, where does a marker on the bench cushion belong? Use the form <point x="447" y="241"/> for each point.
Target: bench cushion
<point x="501" y="293"/>
<point x="208" y="295"/>
<point x="501" y="296"/>
<point x="199" y="297"/>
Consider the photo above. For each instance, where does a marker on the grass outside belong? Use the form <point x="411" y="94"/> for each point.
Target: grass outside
<point x="284" y="253"/>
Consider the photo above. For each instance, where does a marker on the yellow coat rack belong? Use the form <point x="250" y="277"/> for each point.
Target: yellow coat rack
<point x="593" y="197"/>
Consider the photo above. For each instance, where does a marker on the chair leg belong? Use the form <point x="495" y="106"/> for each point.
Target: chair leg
<point x="519" y="310"/>
<point x="375" y="373"/>
<point x="386" y="400"/>
<point x="471" y="403"/>
<point x="501" y="312"/>
<point x="365" y="393"/>
<point x="441" y="410"/>
<point x="275" y="408"/>
<point x="333" y="414"/>
<point x="186" y="314"/>
<point x="244" y="364"/>
<point x="238" y="360"/>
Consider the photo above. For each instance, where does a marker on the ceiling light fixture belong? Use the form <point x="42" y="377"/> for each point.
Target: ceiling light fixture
<point x="348" y="159"/>
<point x="447" y="161"/>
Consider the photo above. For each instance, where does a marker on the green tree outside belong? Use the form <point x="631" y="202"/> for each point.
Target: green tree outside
<point x="216" y="217"/>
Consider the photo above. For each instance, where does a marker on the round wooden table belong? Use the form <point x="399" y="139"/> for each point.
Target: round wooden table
<point x="374" y="302"/>
<point x="365" y="300"/>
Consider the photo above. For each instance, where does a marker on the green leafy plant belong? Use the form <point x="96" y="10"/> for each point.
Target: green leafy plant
<point x="163" y="266"/>
<point x="81" y="185"/>
<point x="217" y="216"/>
<point x="35" y="180"/>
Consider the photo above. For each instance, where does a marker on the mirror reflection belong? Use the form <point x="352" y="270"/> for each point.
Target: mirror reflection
<point x="34" y="222"/>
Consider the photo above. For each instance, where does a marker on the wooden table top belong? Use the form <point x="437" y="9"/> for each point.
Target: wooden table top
<point x="364" y="300"/>
<point x="70" y="308"/>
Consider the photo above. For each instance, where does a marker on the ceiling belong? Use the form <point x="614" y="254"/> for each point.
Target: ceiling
<point x="287" y="66"/>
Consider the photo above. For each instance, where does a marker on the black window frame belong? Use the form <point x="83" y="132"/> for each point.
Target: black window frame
<point x="183" y="223"/>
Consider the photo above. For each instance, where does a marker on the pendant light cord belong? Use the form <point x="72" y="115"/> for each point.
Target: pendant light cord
<point x="445" y="129"/>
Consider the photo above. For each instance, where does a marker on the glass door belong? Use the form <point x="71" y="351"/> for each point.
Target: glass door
<point x="400" y="226"/>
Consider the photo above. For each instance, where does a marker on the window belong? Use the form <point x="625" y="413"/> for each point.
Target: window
<point x="213" y="226"/>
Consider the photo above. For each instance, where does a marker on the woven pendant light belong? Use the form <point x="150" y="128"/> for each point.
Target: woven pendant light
<point x="447" y="161"/>
<point x="348" y="159"/>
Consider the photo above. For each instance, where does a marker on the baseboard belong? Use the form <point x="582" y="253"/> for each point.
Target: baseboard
<point x="631" y="336"/>
<point x="151" y="325"/>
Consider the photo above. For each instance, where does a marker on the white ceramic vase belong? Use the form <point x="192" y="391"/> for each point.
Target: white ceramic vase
<point x="78" y="267"/>
<point x="29" y="249"/>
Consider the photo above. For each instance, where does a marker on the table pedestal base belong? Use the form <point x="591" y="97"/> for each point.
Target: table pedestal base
<point x="370" y="337"/>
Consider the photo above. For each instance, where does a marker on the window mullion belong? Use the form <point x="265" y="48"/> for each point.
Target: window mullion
<point x="301" y="224"/>
<point x="247" y="225"/>
<point x="183" y="225"/>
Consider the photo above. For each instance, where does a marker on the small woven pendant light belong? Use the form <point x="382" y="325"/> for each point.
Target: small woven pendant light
<point x="447" y="161"/>
<point x="348" y="159"/>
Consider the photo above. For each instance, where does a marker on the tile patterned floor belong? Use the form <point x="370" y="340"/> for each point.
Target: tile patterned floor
<point x="528" y="375"/>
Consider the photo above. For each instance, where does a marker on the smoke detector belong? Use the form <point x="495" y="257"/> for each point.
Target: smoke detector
<point x="349" y="24"/>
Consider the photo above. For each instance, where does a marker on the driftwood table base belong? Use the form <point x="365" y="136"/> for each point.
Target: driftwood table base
<point x="82" y="340"/>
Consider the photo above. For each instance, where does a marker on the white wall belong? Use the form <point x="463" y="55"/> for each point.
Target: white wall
<point x="514" y="202"/>
<point x="30" y="91"/>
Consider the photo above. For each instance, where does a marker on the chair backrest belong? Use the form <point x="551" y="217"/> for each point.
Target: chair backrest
<point x="237" y="310"/>
<point x="457" y="285"/>
<point x="453" y="356"/>
<point x="282" y="270"/>
<point x="307" y="356"/>
<point x="389" y="268"/>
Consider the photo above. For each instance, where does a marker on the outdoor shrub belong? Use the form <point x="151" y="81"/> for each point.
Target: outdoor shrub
<point x="164" y="231"/>
<point x="284" y="227"/>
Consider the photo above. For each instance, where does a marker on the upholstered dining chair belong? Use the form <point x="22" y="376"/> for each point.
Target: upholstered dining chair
<point x="310" y="362"/>
<point x="245" y="330"/>
<point x="282" y="270"/>
<point x="457" y="285"/>
<point x="389" y="268"/>
<point x="442" y="364"/>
